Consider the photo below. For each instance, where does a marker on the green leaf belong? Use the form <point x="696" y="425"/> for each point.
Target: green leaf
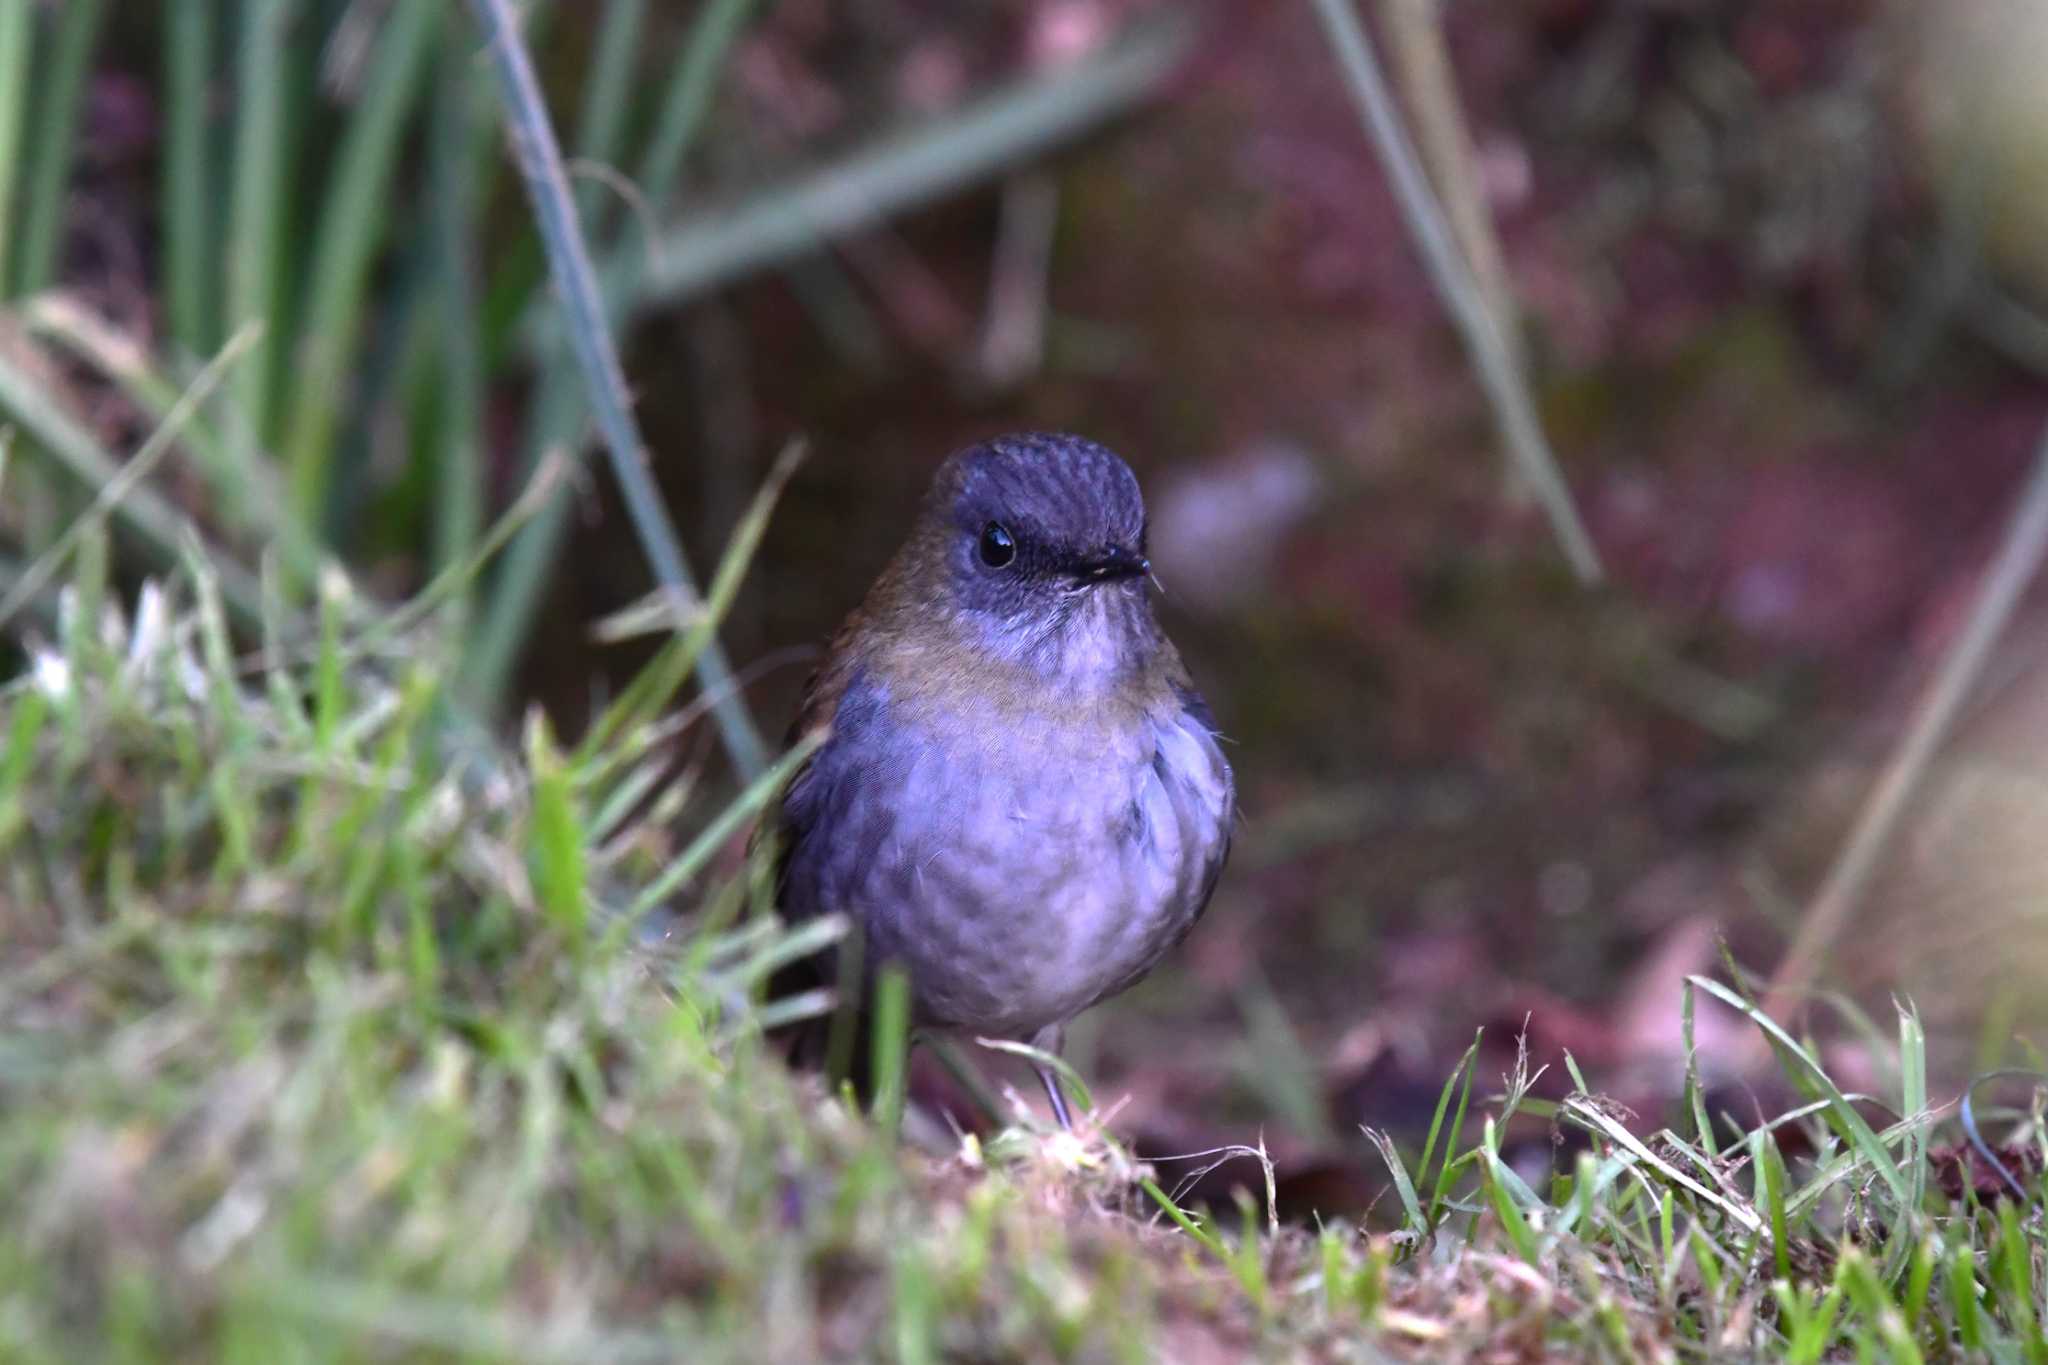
<point x="1841" y="1115"/>
<point x="557" y="850"/>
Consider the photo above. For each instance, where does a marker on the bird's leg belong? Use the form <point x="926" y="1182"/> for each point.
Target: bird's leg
<point x="1049" y="1039"/>
<point x="1059" y="1101"/>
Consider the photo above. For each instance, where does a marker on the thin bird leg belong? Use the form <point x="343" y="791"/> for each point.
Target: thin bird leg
<point x="1051" y="1082"/>
<point x="1050" y="1039"/>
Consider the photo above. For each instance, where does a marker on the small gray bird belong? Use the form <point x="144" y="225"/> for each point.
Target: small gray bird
<point x="1021" y="800"/>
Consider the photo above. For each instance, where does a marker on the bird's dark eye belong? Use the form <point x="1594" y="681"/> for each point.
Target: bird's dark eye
<point x="997" y="546"/>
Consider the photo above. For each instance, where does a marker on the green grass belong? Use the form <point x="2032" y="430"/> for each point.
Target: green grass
<point x="325" y="1032"/>
<point x="331" y="182"/>
<point x="326" y="1028"/>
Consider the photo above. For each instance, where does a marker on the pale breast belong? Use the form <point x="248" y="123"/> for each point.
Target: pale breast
<point x="1022" y="877"/>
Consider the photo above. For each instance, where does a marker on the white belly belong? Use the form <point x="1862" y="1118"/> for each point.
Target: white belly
<point x="1049" y="883"/>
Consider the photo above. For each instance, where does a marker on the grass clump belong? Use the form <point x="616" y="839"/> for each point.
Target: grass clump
<point x="1708" y="1241"/>
<point x="330" y="1028"/>
<point x="325" y="1034"/>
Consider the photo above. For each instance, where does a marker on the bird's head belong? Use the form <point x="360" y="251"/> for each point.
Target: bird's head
<point x="1032" y="548"/>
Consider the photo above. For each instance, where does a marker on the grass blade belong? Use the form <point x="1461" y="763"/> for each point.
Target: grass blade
<point x="459" y="463"/>
<point x="1509" y="1195"/>
<point x="1852" y="1126"/>
<point x="243" y="487"/>
<point x="1769" y="1165"/>
<point x="560" y="880"/>
<point x="1506" y="390"/>
<point x="891" y="1048"/>
<point x="17" y="38"/>
<point x="1695" y="1093"/>
<point x="353" y="217"/>
<point x="449" y="584"/>
<point x="555" y="417"/>
<point x="256" y="206"/>
<point x="1206" y="1239"/>
<point x="155" y="520"/>
<point x="1591" y="1115"/>
<point x="1404" y="1187"/>
<point x="765" y="787"/>
<point x="607" y="89"/>
<point x="114" y="490"/>
<point x="1070" y="1079"/>
<point x="31" y="709"/>
<point x="187" y="187"/>
<point x="899" y="171"/>
<point x="687" y="97"/>
<point x="656" y="684"/>
<point x="541" y="163"/>
<point x="1466" y="1066"/>
<point x="56" y="132"/>
<point x="554" y="422"/>
<point x="1913" y="1103"/>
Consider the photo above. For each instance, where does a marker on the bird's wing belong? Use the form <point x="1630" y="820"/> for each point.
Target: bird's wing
<point x="1197" y="717"/>
<point x="789" y="819"/>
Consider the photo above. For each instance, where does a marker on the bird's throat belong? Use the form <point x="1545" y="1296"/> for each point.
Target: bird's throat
<point x="1098" y="644"/>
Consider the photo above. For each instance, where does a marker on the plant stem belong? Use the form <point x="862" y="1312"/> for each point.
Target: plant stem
<point x="1451" y="273"/>
<point x="540" y="163"/>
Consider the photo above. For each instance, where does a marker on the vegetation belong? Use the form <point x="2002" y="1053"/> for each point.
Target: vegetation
<point x="337" y="206"/>
<point x="331" y="1031"/>
<point x="333" y="1025"/>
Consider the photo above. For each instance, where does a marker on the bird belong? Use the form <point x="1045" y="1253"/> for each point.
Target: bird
<point x="1018" y="797"/>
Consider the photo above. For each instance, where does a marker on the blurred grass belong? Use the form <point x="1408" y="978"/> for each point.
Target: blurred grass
<point x="323" y="1029"/>
<point x="351" y="220"/>
<point x="55" y="130"/>
<point x="16" y="41"/>
<point x="556" y="409"/>
<point x="324" y="1033"/>
<point x="307" y="182"/>
<point x="261" y="122"/>
<point x="187" y="182"/>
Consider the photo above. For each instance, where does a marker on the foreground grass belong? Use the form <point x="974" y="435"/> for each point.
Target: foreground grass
<point x="326" y="1033"/>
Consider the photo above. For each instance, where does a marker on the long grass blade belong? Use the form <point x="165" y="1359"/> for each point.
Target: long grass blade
<point x="2017" y="563"/>
<point x="1855" y="1130"/>
<point x="1206" y="1239"/>
<point x="1461" y="1078"/>
<point x="540" y="162"/>
<point x="459" y="468"/>
<point x="17" y="39"/>
<point x="56" y="132"/>
<point x="692" y="860"/>
<point x="256" y="211"/>
<point x="1076" y="1088"/>
<point x="607" y="91"/>
<point x="656" y="684"/>
<point x="1585" y="1111"/>
<point x="554" y="422"/>
<point x="353" y="218"/>
<point x="890" y="1045"/>
<point x="188" y="209"/>
<point x="160" y="524"/>
<point x="139" y="466"/>
<point x="1506" y="389"/>
<point x="1404" y="1187"/>
<point x="1913" y="1099"/>
<point x="242" y="487"/>
<point x="899" y="171"/>
<point x="687" y="97"/>
<point x="557" y="410"/>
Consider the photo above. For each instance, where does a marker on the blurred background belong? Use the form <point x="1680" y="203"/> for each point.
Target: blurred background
<point x="1773" y="271"/>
